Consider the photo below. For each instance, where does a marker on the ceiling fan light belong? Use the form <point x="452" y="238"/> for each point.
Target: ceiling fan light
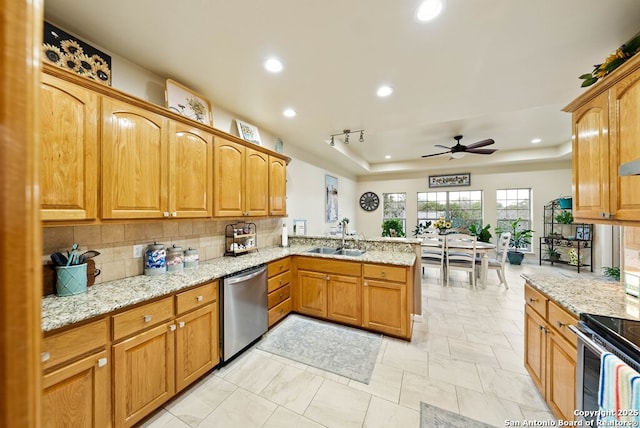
<point x="429" y="9"/>
<point x="457" y="155"/>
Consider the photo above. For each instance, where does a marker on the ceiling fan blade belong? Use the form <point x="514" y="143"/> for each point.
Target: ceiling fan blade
<point x="480" y="144"/>
<point x="481" y="151"/>
<point x="436" y="154"/>
<point x="443" y="147"/>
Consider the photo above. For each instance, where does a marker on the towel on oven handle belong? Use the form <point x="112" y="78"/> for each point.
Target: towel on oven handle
<point x="619" y="390"/>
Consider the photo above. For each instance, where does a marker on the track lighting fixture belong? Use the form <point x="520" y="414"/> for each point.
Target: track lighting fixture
<point x="346" y="133"/>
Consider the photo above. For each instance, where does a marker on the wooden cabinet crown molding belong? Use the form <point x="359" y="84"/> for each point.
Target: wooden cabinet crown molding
<point x="135" y="101"/>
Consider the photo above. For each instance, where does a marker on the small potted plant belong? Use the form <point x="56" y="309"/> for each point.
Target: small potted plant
<point x="483" y="233"/>
<point x="565" y="217"/>
<point x="392" y="227"/>
<point x="552" y="254"/>
<point x="442" y="224"/>
<point x="520" y="238"/>
<point x="421" y="228"/>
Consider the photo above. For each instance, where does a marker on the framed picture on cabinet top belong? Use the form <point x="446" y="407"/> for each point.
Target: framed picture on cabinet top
<point x="248" y="132"/>
<point x="188" y="103"/>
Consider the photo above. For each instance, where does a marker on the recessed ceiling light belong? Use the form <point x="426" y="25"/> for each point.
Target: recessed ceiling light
<point x="384" y="91"/>
<point x="387" y="157"/>
<point x="289" y="112"/>
<point x="429" y="9"/>
<point x="536" y="140"/>
<point x="273" y="65"/>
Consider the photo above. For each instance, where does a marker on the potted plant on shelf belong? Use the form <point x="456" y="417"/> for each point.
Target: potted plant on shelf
<point x="565" y="217"/>
<point x="520" y="238"/>
<point x="392" y="227"/>
<point x="483" y="233"/>
<point x="552" y="254"/>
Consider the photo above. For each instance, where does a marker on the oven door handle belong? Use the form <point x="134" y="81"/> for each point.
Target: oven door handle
<point x="593" y="346"/>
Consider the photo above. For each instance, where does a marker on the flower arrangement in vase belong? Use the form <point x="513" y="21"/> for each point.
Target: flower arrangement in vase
<point x="442" y="224"/>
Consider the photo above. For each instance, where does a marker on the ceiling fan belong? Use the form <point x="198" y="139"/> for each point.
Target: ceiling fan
<point x="459" y="150"/>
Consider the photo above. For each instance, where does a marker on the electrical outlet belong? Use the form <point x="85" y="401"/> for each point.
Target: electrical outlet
<point x="137" y="251"/>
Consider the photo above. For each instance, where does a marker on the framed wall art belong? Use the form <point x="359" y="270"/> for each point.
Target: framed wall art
<point x="188" y="103"/>
<point x="331" y="198"/>
<point x="248" y="132"/>
<point x="62" y="49"/>
<point x="583" y="233"/>
<point x="450" y="180"/>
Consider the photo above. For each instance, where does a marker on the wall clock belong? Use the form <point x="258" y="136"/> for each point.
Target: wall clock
<point x="369" y="201"/>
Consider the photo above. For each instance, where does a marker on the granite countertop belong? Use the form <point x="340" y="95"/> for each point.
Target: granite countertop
<point x="588" y="295"/>
<point x="100" y="299"/>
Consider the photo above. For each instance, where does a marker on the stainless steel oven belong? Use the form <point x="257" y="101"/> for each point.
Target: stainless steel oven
<point x="596" y="335"/>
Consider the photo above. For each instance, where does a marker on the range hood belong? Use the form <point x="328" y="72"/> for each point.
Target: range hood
<point x="629" y="168"/>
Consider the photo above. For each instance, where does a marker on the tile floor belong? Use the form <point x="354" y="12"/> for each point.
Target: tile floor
<point x="466" y="356"/>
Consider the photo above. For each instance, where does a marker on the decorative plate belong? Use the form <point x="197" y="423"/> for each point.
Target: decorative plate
<point x="369" y="201"/>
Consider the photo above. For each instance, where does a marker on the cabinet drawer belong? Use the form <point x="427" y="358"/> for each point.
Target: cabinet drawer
<point x="278" y="296"/>
<point x="278" y="266"/>
<point x="561" y="320"/>
<point x="140" y="318"/>
<point x="279" y="312"/>
<point x="536" y="300"/>
<point x="278" y="281"/>
<point x="197" y="297"/>
<point x="73" y="343"/>
<point x="385" y="272"/>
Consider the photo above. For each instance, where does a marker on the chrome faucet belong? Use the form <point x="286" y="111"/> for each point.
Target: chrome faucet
<point x="344" y="228"/>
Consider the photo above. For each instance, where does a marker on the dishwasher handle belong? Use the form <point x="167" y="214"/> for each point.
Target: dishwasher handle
<point x="244" y="277"/>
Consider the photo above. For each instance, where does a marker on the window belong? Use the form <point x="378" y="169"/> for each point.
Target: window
<point x="512" y="204"/>
<point x="463" y="208"/>
<point x="393" y="207"/>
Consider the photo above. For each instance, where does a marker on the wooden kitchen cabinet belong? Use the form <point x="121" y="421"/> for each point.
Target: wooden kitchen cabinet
<point x="77" y="377"/>
<point x="605" y="134"/>
<point x="387" y="299"/>
<point x="344" y="299"/>
<point x="550" y="352"/>
<point x="277" y="186"/>
<point x="279" y="301"/>
<point x="312" y="293"/>
<point x="241" y="180"/>
<point x="69" y="118"/>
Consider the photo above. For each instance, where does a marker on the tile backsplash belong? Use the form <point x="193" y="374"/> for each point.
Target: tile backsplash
<point x="115" y="241"/>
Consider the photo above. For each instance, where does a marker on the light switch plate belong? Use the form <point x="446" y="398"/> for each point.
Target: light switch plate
<point x="137" y="251"/>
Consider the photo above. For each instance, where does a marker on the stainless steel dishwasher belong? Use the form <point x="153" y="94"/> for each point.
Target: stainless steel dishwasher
<point x="244" y="310"/>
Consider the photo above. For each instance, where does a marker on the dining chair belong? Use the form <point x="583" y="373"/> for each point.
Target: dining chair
<point x="461" y="255"/>
<point x="499" y="261"/>
<point x="433" y="252"/>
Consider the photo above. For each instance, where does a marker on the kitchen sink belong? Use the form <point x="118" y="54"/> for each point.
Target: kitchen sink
<point x="354" y="252"/>
<point x="323" y="250"/>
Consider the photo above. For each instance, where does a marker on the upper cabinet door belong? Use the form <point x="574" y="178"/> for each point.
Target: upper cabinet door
<point x="624" y="135"/>
<point x="190" y="172"/>
<point x="228" y="178"/>
<point x="134" y="162"/>
<point x="591" y="159"/>
<point x="257" y="183"/>
<point x="68" y="162"/>
<point x="277" y="186"/>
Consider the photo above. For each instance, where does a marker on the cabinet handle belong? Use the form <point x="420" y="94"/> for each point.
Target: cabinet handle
<point x="560" y="324"/>
<point x="147" y="318"/>
<point x="181" y="324"/>
<point x="281" y="295"/>
<point x="328" y="278"/>
<point x="531" y="300"/>
<point x="172" y="327"/>
<point x="165" y="214"/>
<point x="366" y="283"/>
<point x="45" y="356"/>
<point x="199" y="298"/>
<point x="102" y="362"/>
<point x="174" y="214"/>
<point x="280" y="282"/>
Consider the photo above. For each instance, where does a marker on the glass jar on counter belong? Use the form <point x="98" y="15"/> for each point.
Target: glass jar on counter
<point x="174" y="259"/>
<point x="155" y="259"/>
<point x="191" y="258"/>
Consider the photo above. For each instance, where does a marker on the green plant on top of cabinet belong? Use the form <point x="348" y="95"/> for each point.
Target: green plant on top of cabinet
<point x="153" y="167"/>
<point x="69" y="117"/>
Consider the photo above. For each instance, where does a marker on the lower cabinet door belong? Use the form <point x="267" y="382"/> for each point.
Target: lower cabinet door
<point x="561" y="376"/>
<point x="344" y="299"/>
<point x="312" y="293"/>
<point x="385" y="307"/>
<point x="144" y="374"/>
<point x="79" y="394"/>
<point x="535" y="346"/>
<point x="196" y="344"/>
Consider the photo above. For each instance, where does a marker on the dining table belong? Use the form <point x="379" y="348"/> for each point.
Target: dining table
<point x="482" y="248"/>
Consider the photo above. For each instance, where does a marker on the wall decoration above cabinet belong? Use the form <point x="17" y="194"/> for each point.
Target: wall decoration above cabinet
<point x="65" y="51"/>
<point x="248" y="132"/>
<point x="188" y="103"/>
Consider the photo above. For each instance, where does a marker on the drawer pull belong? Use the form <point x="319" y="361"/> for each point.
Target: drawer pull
<point x="532" y="299"/>
<point x="328" y="278"/>
<point x="181" y="324"/>
<point x="199" y="298"/>
<point x="281" y="295"/>
<point x="147" y="318"/>
<point x="45" y="356"/>
<point x="102" y="362"/>
<point x="366" y="284"/>
<point x="172" y="327"/>
<point x="383" y="274"/>
<point x="560" y="324"/>
<point x="280" y="282"/>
